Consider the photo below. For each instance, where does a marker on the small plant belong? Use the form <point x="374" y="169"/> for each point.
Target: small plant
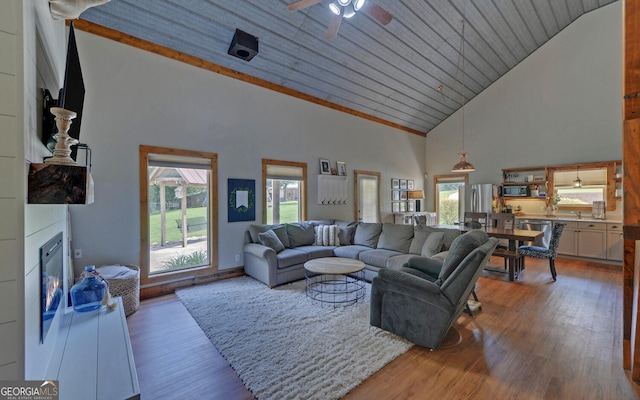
<point x="198" y="257"/>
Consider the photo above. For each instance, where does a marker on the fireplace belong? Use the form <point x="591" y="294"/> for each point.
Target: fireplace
<point x="52" y="292"/>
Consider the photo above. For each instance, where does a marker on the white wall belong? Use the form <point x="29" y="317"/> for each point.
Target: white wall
<point x="561" y="105"/>
<point x="134" y="97"/>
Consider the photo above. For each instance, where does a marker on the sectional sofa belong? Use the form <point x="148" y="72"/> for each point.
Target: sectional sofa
<point x="275" y="254"/>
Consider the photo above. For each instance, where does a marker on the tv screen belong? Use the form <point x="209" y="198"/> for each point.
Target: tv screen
<point x="51" y="262"/>
<point x="72" y="92"/>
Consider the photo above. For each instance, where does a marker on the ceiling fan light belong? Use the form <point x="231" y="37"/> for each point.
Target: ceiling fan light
<point x="357" y="4"/>
<point x="344" y="3"/>
<point x="349" y="11"/>
<point x="335" y="8"/>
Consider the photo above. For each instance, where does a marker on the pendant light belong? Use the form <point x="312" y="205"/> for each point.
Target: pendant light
<point x="578" y="182"/>
<point x="463" y="165"/>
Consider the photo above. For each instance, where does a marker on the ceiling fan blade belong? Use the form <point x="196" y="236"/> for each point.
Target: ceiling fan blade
<point x="376" y="12"/>
<point x="299" y="5"/>
<point x="334" y="25"/>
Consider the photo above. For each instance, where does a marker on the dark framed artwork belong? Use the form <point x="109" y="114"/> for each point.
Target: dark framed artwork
<point x="395" y="183"/>
<point x="403" y="184"/>
<point x="242" y="200"/>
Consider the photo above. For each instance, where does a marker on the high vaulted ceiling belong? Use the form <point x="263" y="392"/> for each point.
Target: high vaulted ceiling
<point x="389" y="73"/>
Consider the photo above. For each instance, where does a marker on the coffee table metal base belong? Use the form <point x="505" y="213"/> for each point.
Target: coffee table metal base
<point x="335" y="290"/>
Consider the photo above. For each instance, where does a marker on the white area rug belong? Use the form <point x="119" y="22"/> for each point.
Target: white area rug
<point x="286" y="346"/>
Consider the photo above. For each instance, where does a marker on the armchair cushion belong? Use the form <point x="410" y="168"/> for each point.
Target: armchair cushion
<point x="427" y="266"/>
<point x="460" y="248"/>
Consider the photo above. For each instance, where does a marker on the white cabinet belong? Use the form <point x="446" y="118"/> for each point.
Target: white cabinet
<point x="592" y="239"/>
<point x="569" y="239"/>
<point x="409" y="218"/>
<point x="615" y="242"/>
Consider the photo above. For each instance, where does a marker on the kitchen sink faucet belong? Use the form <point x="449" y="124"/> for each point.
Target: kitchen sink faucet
<point x="578" y="214"/>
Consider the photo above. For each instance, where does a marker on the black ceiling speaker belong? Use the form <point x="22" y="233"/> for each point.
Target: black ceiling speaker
<point x="243" y="45"/>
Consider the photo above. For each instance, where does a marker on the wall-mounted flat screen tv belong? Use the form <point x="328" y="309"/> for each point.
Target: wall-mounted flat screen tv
<point x="71" y="95"/>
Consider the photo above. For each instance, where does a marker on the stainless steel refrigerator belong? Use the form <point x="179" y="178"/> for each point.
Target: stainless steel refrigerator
<point x="476" y="198"/>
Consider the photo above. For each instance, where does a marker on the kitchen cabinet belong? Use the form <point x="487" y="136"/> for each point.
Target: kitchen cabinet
<point x="592" y="239"/>
<point x="615" y="242"/>
<point x="533" y="177"/>
<point x="569" y="239"/>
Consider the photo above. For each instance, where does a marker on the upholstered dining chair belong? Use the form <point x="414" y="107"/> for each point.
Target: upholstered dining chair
<point x="475" y="219"/>
<point x="504" y="221"/>
<point x="542" y="252"/>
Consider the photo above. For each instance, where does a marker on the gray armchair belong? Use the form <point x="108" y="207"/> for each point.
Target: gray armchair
<point x="422" y="310"/>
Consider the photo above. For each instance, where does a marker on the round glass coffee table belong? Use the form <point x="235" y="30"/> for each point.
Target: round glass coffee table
<point x="336" y="281"/>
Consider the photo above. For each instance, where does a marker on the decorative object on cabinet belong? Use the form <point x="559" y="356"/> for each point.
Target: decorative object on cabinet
<point x="416" y="195"/>
<point x="88" y="294"/>
<point x="342" y="168"/>
<point x="62" y="151"/>
<point x="242" y="200"/>
<point x="325" y="167"/>
<point x="332" y="189"/>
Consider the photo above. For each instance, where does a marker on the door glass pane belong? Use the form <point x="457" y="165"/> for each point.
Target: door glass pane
<point x="178" y="223"/>
<point x="368" y="198"/>
<point x="283" y="201"/>
<point x="447" y="202"/>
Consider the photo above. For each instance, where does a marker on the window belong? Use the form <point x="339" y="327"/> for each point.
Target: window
<point x="446" y="196"/>
<point x="285" y="192"/>
<point x="178" y="213"/>
<point x="593" y="187"/>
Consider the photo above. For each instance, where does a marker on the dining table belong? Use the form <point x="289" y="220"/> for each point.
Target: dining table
<point x="514" y="237"/>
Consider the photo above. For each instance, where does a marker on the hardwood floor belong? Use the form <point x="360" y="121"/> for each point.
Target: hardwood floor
<point x="534" y="339"/>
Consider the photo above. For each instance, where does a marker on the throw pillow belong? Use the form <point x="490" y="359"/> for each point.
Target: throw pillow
<point x="327" y="235"/>
<point x="300" y="234"/>
<point x="346" y="235"/>
<point x="367" y="234"/>
<point x="433" y="244"/>
<point x="270" y="239"/>
<point x="281" y="232"/>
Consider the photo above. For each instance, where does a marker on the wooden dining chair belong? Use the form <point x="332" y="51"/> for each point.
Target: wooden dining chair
<point x="475" y="219"/>
<point x="505" y="221"/>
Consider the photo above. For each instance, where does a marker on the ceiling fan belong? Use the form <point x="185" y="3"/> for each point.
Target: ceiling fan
<point x="345" y="9"/>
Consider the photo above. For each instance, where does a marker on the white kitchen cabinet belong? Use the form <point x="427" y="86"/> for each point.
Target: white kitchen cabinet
<point x="615" y="242"/>
<point x="569" y="239"/>
<point x="592" y="239"/>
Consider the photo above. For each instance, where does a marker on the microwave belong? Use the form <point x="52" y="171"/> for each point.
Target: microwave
<point x="515" y="191"/>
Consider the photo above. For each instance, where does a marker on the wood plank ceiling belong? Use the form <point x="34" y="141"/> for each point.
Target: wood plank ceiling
<point x="388" y="72"/>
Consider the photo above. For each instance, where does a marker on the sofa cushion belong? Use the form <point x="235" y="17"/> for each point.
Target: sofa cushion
<point x="419" y="237"/>
<point x="367" y="234"/>
<point x="316" y="251"/>
<point x="459" y="249"/>
<point x="316" y="222"/>
<point x="377" y="257"/>
<point x="395" y="237"/>
<point x="300" y="234"/>
<point x="281" y="232"/>
<point x="289" y="257"/>
<point x="345" y="234"/>
<point x="341" y="222"/>
<point x="351" y="251"/>
<point x="270" y="239"/>
<point x="327" y="235"/>
<point x="433" y="244"/>
<point x="255" y="229"/>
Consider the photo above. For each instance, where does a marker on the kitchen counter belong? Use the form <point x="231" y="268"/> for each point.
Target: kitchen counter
<point x="567" y="218"/>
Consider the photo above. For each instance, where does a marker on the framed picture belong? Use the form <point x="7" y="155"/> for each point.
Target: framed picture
<point x="242" y="200"/>
<point x="410" y="184"/>
<point x="403" y="184"/>
<point x="411" y="206"/>
<point x="403" y="195"/>
<point x="325" y="167"/>
<point x="342" y="168"/>
<point x="403" y="206"/>
<point x="395" y="195"/>
<point x="395" y="183"/>
<point x="395" y="207"/>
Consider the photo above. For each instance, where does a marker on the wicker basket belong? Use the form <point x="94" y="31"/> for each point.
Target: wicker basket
<point x="128" y="289"/>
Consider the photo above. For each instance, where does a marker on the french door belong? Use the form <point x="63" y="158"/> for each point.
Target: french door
<point x="367" y="196"/>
